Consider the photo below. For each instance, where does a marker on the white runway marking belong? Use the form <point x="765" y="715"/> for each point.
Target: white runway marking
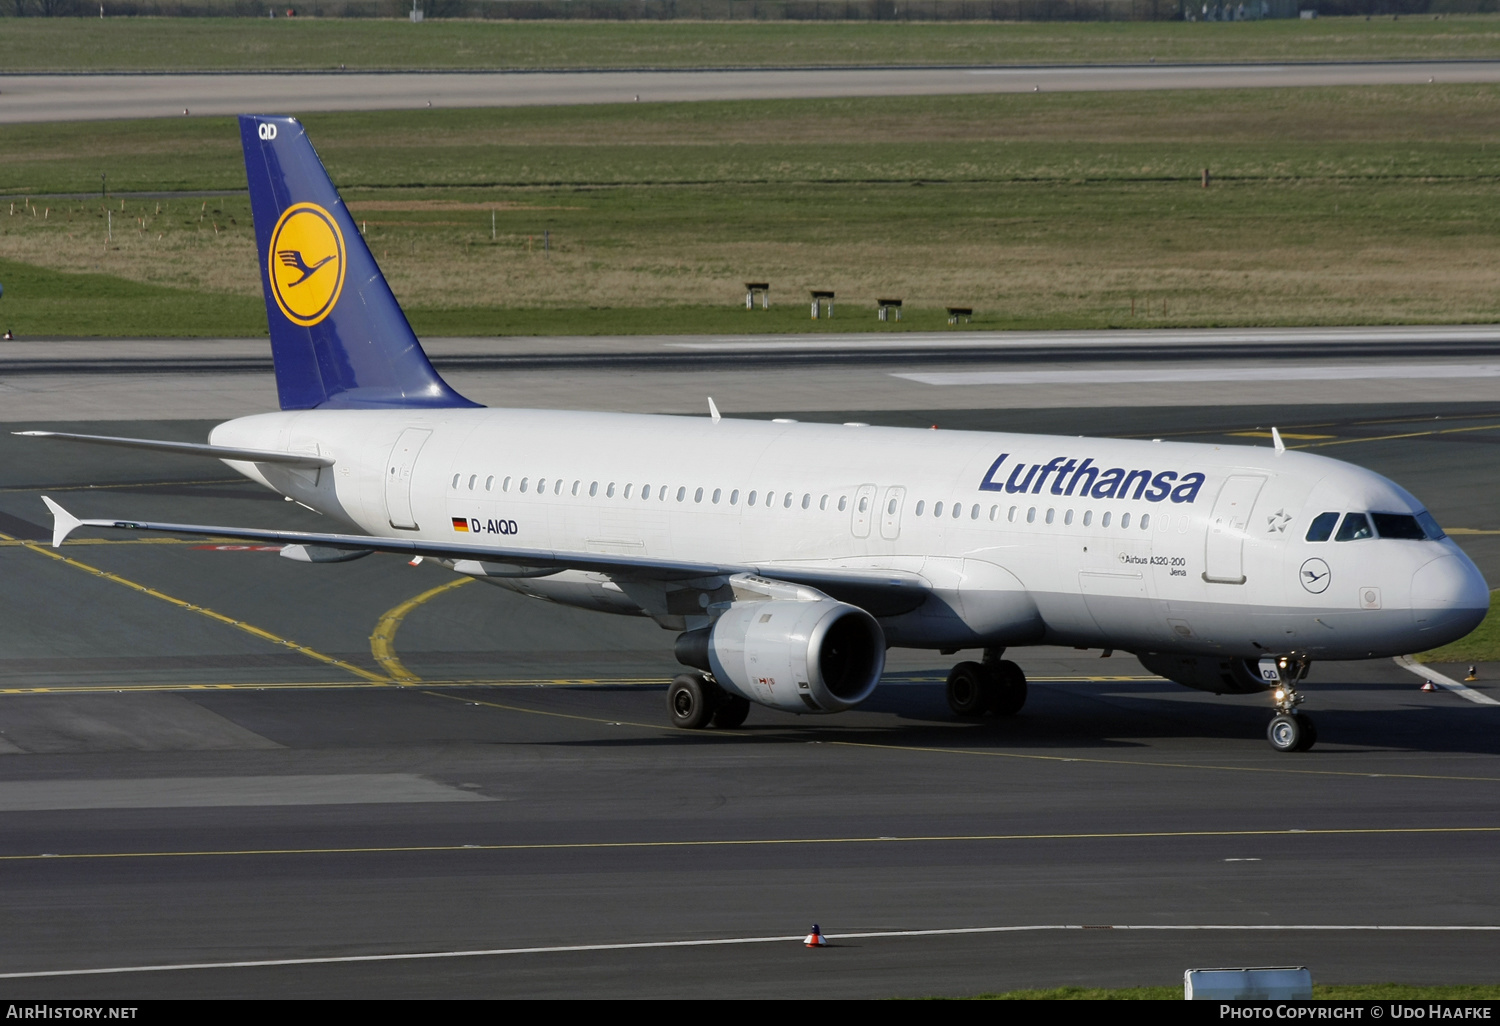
<point x="724" y="941"/>
<point x="1132" y="338"/>
<point x="1447" y="683"/>
<point x="1267" y="373"/>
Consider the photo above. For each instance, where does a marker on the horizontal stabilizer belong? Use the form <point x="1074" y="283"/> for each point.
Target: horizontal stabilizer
<point x="218" y="452"/>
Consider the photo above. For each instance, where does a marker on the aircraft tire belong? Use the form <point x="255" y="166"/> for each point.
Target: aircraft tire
<point x="1309" y="732"/>
<point x="731" y="712"/>
<point x="1287" y="733"/>
<point x="1008" y="692"/>
<point x="970" y="687"/>
<point x="691" y="701"/>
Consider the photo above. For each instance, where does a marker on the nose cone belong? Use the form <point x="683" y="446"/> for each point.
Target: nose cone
<point x="1448" y="599"/>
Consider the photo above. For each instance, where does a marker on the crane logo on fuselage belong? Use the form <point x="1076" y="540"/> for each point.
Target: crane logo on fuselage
<point x="1067" y="475"/>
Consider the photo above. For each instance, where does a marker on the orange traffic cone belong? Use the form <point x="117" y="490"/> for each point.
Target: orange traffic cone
<point x="1473" y="676"/>
<point x="1428" y="685"/>
<point x="814" y="939"/>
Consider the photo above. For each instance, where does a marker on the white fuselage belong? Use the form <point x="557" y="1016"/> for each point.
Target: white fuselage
<point x="1136" y="545"/>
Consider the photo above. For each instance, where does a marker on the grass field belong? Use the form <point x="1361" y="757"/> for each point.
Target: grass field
<point x="1079" y="210"/>
<point x="1351" y="992"/>
<point x="223" y="44"/>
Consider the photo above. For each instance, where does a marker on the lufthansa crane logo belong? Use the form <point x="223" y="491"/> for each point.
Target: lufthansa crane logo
<point x="306" y="263"/>
<point x="1315" y="576"/>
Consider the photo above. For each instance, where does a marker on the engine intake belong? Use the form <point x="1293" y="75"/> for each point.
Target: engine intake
<point x="818" y="656"/>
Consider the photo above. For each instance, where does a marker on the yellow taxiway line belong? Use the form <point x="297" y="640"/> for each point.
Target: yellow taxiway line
<point x="383" y="637"/>
<point x="250" y="629"/>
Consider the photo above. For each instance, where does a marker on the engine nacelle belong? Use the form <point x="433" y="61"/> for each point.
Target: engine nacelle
<point x="819" y="656"/>
<point x="1222" y="676"/>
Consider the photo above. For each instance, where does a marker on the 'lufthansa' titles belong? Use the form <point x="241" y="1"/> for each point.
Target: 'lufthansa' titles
<point x="1067" y="476"/>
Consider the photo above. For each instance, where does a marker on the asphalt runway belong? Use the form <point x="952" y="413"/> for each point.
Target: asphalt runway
<point x="35" y="98"/>
<point x="213" y="755"/>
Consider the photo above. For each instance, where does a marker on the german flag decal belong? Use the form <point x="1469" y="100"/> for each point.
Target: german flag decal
<point x="460" y="524"/>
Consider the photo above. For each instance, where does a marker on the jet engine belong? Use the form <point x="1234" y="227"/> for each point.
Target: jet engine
<point x="818" y="656"/>
<point x="1222" y="676"/>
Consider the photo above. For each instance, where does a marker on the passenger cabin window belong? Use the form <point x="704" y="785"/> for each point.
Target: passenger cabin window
<point x="609" y="493"/>
<point x="593" y="488"/>
<point x="937" y="509"/>
<point x="864" y="505"/>
<point x="524" y="481"/>
<point x="1068" y="518"/>
<point x="1321" y="529"/>
<point x="786" y="501"/>
<point x="1031" y="515"/>
<point x="843" y="503"/>
<point x="823" y="503"/>
<point x="921" y="505"/>
<point x="1051" y="515"/>
<point x="750" y="499"/>
<point x="1011" y="516"/>
<point x="734" y="497"/>
<point x="1398" y="525"/>
<point x="575" y="486"/>
<point x="645" y="491"/>
<point x="807" y="501"/>
<point x="681" y="492"/>
<point x="489" y="483"/>
<point x="890" y="507"/>
<point x="974" y="512"/>
<point x="1124" y="520"/>
<point x="958" y="510"/>
<point x="1088" y="517"/>
<point x="1145" y="521"/>
<point x="1104" y="522"/>
<point x="718" y="494"/>
<point x="698" y="495"/>
<point x="1354" y="527"/>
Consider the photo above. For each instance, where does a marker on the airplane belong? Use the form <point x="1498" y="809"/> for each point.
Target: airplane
<point x="788" y="557"/>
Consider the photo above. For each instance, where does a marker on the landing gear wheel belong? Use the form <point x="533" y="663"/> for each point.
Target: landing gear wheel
<point x="692" y="700"/>
<point x="1309" y="732"/>
<point x="1008" y="692"/>
<point x="1288" y="732"/>
<point x="731" y="712"/>
<point x="970" y="689"/>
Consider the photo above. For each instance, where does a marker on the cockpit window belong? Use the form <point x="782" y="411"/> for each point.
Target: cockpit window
<point x="1398" y="525"/>
<point x="1321" y="528"/>
<point x="1430" y="525"/>
<point x="1354" y="527"/>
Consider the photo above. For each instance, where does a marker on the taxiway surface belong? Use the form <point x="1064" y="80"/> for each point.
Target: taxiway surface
<point x="213" y="755"/>
<point x="92" y="97"/>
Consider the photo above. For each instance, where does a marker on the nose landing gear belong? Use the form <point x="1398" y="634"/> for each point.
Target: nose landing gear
<point x="995" y="687"/>
<point x="1289" y="730"/>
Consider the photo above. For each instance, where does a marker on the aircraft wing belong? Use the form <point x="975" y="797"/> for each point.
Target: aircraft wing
<point x="882" y="592"/>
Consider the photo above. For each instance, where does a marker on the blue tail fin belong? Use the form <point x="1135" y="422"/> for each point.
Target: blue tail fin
<point x="338" y="337"/>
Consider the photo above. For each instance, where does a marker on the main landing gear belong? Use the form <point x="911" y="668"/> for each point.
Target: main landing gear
<point x="1290" y="730"/>
<point x="995" y="687"/>
<point x="694" y="700"/>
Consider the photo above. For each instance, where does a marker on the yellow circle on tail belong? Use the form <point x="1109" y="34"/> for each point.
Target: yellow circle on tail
<point x="307" y="263"/>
